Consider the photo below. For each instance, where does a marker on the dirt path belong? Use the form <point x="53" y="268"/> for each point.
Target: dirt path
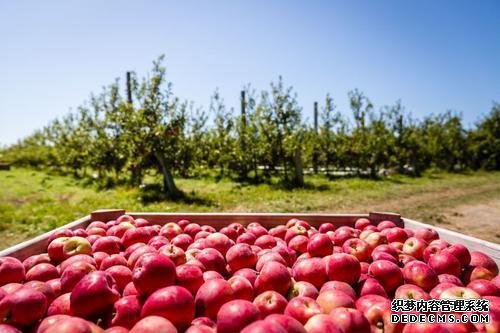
<point x="478" y="220"/>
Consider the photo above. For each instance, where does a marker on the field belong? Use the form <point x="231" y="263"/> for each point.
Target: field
<point x="32" y="202"/>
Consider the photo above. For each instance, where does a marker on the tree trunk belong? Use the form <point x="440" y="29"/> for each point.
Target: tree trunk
<point x="298" y="178"/>
<point x="168" y="179"/>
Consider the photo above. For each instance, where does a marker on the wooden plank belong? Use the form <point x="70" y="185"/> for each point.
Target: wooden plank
<point x="39" y="244"/>
<point x="472" y="243"/>
<point x="106" y="215"/>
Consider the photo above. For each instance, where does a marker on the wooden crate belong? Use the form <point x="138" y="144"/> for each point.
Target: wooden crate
<point x="218" y="220"/>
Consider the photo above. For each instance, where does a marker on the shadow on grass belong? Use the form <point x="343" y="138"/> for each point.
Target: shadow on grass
<point x="153" y="193"/>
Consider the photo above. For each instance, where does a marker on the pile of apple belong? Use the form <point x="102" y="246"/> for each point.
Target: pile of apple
<point x="128" y="275"/>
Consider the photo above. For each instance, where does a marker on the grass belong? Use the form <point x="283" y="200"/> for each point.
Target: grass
<point x="32" y="202"/>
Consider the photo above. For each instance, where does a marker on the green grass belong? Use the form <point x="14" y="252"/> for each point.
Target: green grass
<point x="32" y="202"/>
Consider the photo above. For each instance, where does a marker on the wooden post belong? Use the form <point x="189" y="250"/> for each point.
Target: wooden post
<point x="129" y="89"/>
<point x="243" y="109"/>
<point x="316" y="117"/>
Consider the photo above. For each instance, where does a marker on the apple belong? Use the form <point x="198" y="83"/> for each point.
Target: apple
<point x="108" y="244"/>
<point x="364" y="303"/>
<point x="395" y="234"/>
<point x="273" y="276"/>
<point x="320" y="245"/>
<point x="189" y="277"/>
<point x="427" y="234"/>
<point x="425" y="328"/>
<point x="460" y="252"/>
<point x="34" y="260"/>
<point x="173" y="303"/>
<point x="256" y="230"/>
<point x="116" y="329"/>
<point x="192" y="229"/>
<point x="176" y="254"/>
<point x="496" y="281"/>
<point x="410" y="291"/>
<point x="379" y="317"/>
<point x="385" y="225"/>
<point x="158" y="241"/>
<point x="130" y="290"/>
<point x="64" y="247"/>
<point x="240" y="256"/>
<point x="121" y="274"/>
<point x="138" y="235"/>
<point x="420" y="274"/>
<point x="302" y="308"/>
<point x="379" y="255"/>
<point x="321" y="323"/>
<point x="362" y="223"/>
<point x="77" y="258"/>
<point x="229" y="232"/>
<point x="471" y="273"/>
<point x="437" y="290"/>
<point x="9" y="288"/>
<point x="450" y="278"/>
<point x="311" y="270"/>
<point x="265" y="242"/>
<point x="153" y="324"/>
<point x="350" y="320"/>
<point x="371" y="286"/>
<point x="415" y="247"/>
<point x="170" y="230"/>
<point x="4" y="328"/>
<point x="23" y="307"/>
<point x="55" y="285"/>
<point x="375" y="239"/>
<point x="358" y="248"/>
<point x="204" y="321"/>
<point x="403" y="259"/>
<point x="325" y="227"/>
<point x="291" y="325"/>
<point x="270" y="302"/>
<point x="302" y="288"/>
<point x="236" y="315"/>
<point x="209" y="275"/>
<point x="268" y="257"/>
<point x="62" y="232"/>
<point x="242" y="288"/>
<point x="219" y="241"/>
<point x="118" y="230"/>
<point x="342" y="267"/>
<point x="247" y="238"/>
<point x="65" y="323"/>
<point x="445" y="263"/>
<point x="152" y="272"/>
<point x="113" y="260"/>
<point x="342" y="234"/>
<point x="286" y="253"/>
<point x="42" y="272"/>
<point x="74" y="273"/>
<point x="299" y="243"/>
<point x="211" y="296"/>
<point x="42" y="287"/>
<point x="93" y="295"/>
<point x="339" y="285"/>
<point x="330" y="299"/>
<point x="480" y="259"/>
<point x="484" y="287"/>
<point x="61" y="305"/>
<point x="247" y="273"/>
<point x="11" y="270"/>
<point x="457" y="292"/>
<point x="263" y="326"/>
<point x="387" y="273"/>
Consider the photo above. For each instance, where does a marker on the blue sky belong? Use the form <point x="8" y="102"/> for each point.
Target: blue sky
<point x="434" y="55"/>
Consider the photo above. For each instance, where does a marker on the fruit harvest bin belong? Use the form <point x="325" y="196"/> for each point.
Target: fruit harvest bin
<point x="39" y="244"/>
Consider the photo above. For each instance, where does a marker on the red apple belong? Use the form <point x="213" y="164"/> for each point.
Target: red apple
<point x="331" y="299"/>
<point x="11" y="270"/>
<point x="34" y="260"/>
<point x="183" y="241"/>
<point x="170" y="230"/>
<point x="247" y="273"/>
<point x="247" y="238"/>
<point x="339" y="285"/>
<point x="108" y="244"/>
<point x="484" y="287"/>
<point x="61" y="305"/>
<point x="270" y="302"/>
<point x="242" y="288"/>
<point x="236" y="315"/>
<point x="312" y="270"/>
<point x="74" y="273"/>
<point x="65" y="323"/>
<point x="437" y="290"/>
<point x="176" y="254"/>
<point x="209" y="275"/>
<point x="364" y="303"/>
<point x="241" y="256"/>
<point x="302" y="288"/>
<point x="410" y="291"/>
<point x="219" y="241"/>
<point x="456" y="292"/>
<point x="342" y="267"/>
<point x="420" y="274"/>
<point x="65" y="247"/>
<point x="358" y="248"/>
<point x="480" y="259"/>
<point x="299" y="243"/>
<point x="371" y="286"/>
<point x="23" y="307"/>
<point x="4" y="328"/>
<point x="79" y="257"/>
<point x="450" y="278"/>
<point x="396" y="234"/>
<point x="362" y="223"/>
<point x="153" y="324"/>
<point x="173" y="303"/>
<point x="42" y="272"/>
<point x="113" y="260"/>
<point x="138" y="235"/>
<point x="460" y="252"/>
<point x="342" y="234"/>
<point x="213" y="260"/>
<point x="94" y="286"/>
<point x="61" y="232"/>
<point x="388" y="274"/>
<point x="273" y="276"/>
<point x="189" y="277"/>
<point x="152" y="272"/>
<point x="320" y="245"/>
<point x="291" y="325"/>
<point x="350" y="320"/>
<point x="302" y="308"/>
<point x="415" y="247"/>
<point x="43" y="287"/>
<point x="121" y="274"/>
<point x="192" y="229"/>
<point x="263" y="326"/>
<point x="427" y="234"/>
<point x="211" y="296"/>
<point x="385" y="225"/>
<point x="445" y="263"/>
